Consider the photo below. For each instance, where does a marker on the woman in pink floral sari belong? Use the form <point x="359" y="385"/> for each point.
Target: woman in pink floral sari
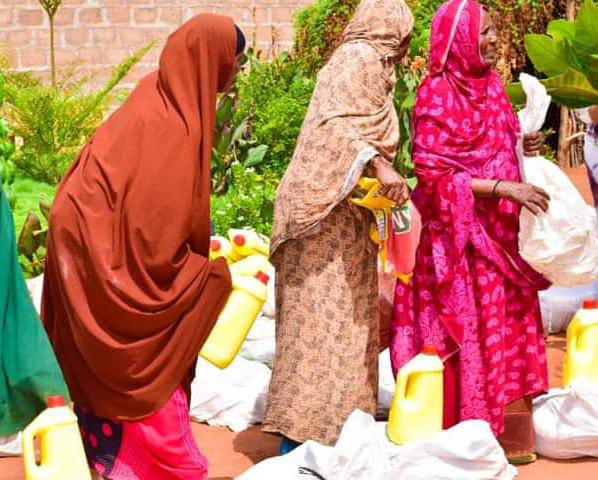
<point x="472" y="295"/>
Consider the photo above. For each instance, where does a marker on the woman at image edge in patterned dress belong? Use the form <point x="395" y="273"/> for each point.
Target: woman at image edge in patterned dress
<point x="472" y="295"/>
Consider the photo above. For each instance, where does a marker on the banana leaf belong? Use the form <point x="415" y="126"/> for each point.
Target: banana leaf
<point x="572" y="90"/>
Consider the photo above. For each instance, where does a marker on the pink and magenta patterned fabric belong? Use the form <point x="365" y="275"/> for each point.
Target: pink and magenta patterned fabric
<point x="159" y="447"/>
<point x="471" y="295"/>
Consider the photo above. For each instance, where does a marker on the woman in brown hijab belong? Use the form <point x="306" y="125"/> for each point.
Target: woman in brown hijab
<point x="327" y="336"/>
<point x="130" y="296"/>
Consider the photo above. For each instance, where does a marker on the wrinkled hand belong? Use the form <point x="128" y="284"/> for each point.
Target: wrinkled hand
<point x="394" y="186"/>
<point x="528" y="196"/>
<point x="532" y="143"/>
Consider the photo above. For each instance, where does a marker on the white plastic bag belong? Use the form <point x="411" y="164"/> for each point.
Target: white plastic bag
<point x="561" y="244"/>
<point x="35" y="287"/>
<point x="386" y="384"/>
<point x="234" y="397"/>
<point x="560" y="304"/>
<point x="566" y="422"/>
<point x="468" y="451"/>
<point x="260" y="344"/>
<point x="11" y="446"/>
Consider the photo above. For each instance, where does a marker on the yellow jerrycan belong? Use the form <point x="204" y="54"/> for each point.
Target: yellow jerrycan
<point x="249" y="266"/>
<point x="62" y="453"/>
<point x="417" y="409"/>
<point x="581" y="359"/>
<point x="221" y="247"/>
<point x="248" y="242"/>
<point x="236" y="319"/>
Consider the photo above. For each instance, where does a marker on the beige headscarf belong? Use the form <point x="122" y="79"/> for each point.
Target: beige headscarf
<point x="350" y="120"/>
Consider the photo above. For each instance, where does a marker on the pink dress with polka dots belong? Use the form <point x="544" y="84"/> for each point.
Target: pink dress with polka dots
<point x="471" y="295"/>
<point x="160" y="447"/>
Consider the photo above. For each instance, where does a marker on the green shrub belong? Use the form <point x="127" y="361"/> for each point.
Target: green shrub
<point x="7" y="150"/>
<point x="273" y="99"/>
<point x="55" y="122"/>
<point x="249" y="203"/>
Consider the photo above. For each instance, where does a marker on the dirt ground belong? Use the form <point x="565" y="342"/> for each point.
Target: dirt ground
<point x="231" y="454"/>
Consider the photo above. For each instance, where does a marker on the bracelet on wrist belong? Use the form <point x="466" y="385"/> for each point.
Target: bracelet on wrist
<point x="495" y="189"/>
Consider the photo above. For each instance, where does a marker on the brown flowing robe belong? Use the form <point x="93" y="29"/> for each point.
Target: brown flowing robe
<point x="129" y="294"/>
<point x="327" y="336"/>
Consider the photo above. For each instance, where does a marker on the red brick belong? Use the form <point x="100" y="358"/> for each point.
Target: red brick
<point x="64" y="16"/>
<point x="32" y="57"/>
<point x="6" y="17"/>
<point x="145" y="15"/>
<point x="171" y="15"/>
<point x="282" y="14"/>
<point x="103" y="37"/>
<point x="31" y="17"/>
<point x="133" y="37"/>
<point x="18" y="38"/>
<point x="92" y="56"/>
<point x="90" y="16"/>
<point x="118" y="15"/>
<point x="76" y="36"/>
<point x="41" y="38"/>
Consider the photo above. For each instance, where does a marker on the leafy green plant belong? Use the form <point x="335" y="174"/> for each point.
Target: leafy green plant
<point x="250" y="203"/>
<point x="7" y="150"/>
<point x="32" y="242"/>
<point x="273" y="100"/>
<point x="568" y="55"/>
<point x="231" y="144"/>
<point x="54" y="122"/>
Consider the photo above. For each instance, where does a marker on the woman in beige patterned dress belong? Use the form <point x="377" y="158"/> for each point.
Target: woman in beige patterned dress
<point x="327" y="335"/>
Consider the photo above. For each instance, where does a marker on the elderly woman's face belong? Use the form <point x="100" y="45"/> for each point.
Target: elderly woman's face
<point x="488" y="41"/>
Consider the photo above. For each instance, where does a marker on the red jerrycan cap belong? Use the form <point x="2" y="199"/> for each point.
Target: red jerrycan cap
<point x="215" y="245"/>
<point x="54" y="401"/>
<point x="239" y="240"/>
<point x="429" y="350"/>
<point x="590" y="304"/>
<point x="262" y="277"/>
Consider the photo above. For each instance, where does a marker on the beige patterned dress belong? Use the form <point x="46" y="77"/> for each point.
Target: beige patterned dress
<point x="327" y="336"/>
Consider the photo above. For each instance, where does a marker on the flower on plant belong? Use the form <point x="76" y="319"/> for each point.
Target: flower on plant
<point x="418" y="63"/>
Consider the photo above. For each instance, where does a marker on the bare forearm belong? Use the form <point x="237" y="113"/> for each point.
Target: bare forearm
<point x="483" y="188"/>
<point x="594" y="114"/>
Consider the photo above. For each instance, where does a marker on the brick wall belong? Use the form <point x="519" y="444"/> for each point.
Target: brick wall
<point x="100" y="33"/>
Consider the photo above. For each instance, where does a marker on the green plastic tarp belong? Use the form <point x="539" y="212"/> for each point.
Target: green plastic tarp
<point x="29" y="372"/>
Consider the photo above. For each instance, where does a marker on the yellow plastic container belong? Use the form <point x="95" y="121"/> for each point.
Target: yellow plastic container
<point x="62" y="453"/>
<point x="236" y="319"/>
<point x="417" y="408"/>
<point x="247" y="242"/>
<point x="581" y="359"/>
<point x="367" y="195"/>
<point x="221" y="247"/>
<point x="249" y="266"/>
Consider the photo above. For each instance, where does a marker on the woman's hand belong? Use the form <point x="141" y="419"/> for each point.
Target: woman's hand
<point x="533" y="198"/>
<point x="532" y="143"/>
<point x="394" y="186"/>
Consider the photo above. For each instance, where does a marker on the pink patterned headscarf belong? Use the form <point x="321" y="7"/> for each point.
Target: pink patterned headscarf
<point x="465" y="128"/>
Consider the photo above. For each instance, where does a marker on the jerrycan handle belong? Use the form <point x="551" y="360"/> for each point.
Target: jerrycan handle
<point x="29" y="434"/>
<point x="402" y="382"/>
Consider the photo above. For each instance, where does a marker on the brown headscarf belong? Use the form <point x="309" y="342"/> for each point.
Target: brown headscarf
<point x="350" y="120"/>
<point x="130" y="295"/>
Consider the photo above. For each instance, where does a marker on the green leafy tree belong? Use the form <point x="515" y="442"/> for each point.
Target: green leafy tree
<point x="568" y="55"/>
<point x="54" y="122"/>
